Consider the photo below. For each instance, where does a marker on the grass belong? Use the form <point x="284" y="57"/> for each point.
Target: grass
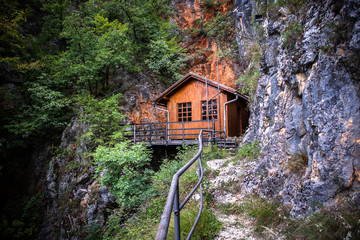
<point x="248" y="151"/>
<point x="213" y="152"/>
<point x="207" y="227"/>
<point x="341" y="221"/>
<point x="271" y="219"/>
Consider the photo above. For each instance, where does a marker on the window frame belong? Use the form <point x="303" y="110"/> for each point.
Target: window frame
<point x="212" y="107"/>
<point x="184" y="112"/>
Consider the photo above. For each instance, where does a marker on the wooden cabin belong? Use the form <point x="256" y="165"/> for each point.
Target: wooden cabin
<point x="195" y="102"/>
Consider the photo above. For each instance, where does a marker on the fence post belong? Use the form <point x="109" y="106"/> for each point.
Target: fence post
<point x="166" y="133"/>
<point x="213" y="132"/>
<point x="150" y="134"/>
<point x="183" y="130"/>
<point x="177" y="213"/>
<point x="134" y="133"/>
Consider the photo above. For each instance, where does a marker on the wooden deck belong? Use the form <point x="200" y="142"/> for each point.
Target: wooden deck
<point x="178" y="133"/>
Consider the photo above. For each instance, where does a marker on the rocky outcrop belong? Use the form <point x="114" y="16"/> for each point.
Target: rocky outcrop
<point x="307" y="105"/>
<point x="190" y="17"/>
<point x="73" y="198"/>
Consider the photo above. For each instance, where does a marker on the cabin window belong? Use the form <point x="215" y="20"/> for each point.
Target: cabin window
<point x="212" y="110"/>
<point x="184" y="112"/>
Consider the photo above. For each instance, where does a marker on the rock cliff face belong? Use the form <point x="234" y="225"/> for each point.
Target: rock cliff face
<point x="307" y="106"/>
<point x="74" y="199"/>
<point x="190" y="16"/>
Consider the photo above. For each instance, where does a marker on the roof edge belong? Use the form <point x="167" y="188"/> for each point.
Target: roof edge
<point x="199" y="78"/>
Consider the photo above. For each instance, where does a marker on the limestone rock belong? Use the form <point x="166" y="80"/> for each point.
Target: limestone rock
<point x="307" y="104"/>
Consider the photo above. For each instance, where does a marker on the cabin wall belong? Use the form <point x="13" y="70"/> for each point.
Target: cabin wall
<point x="195" y="92"/>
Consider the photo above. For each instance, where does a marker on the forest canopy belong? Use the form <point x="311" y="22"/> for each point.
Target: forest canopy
<point x="53" y="51"/>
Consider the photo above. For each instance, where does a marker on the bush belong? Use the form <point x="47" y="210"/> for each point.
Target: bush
<point x="144" y="224"/>
<point x="104" y="118"/>
<point x="123" y="169"/>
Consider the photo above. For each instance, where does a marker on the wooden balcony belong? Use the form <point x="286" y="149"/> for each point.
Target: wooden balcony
<point x="178" y="133"/>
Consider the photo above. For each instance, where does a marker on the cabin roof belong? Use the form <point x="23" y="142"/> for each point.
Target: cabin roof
<point x="164" y="95"/>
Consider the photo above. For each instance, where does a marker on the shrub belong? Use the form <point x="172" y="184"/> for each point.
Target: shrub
<point x="103" y="118"/>
<point x="123" y="169"/>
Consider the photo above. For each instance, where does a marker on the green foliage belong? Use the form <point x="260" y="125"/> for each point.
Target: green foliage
<point x="60" y="53"/>
<point x="207" y="227"/>
<point x="264" y="212"/>
<point x="94" y="232"/>
<point x="337" y="222"/>
<point x="56" y="12"/>
<point x="45" y="107"/>
<point x="104" y="118"/>
<point x="273" y="7"/>
<point x="97" y="47"/>
<point x="249" y="151"/>
<point x="162" y="178"/>
<point x="249" y="78"/>
<point x="123" y="169"/>
<point x="13" y="41"/>
<point x="213" y="152"/>
<point x="292" y="34"/>
<point x="159" y="51"/>
<point x="230" y="208"/>
<point x="144" y="224"/>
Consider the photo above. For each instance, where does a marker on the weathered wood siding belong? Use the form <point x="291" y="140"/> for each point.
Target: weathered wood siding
<point x="194" y="92"/>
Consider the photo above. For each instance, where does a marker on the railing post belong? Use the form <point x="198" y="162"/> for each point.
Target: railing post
<point x="134" y="133"/>
<point x="177" y="213"/>
<point x="166" y="133"/>
<point x="150" y="134"/>
<point x="213" y="132"/>
<point x="183" y="130"/>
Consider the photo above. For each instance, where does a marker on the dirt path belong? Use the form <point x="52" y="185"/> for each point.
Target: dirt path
<point x="227" y="192"/>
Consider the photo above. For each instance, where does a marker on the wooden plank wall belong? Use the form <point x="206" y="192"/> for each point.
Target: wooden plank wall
<point x="195" y="92"/>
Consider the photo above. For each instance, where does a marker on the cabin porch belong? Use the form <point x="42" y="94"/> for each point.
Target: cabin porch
<point x="179" y="133"/>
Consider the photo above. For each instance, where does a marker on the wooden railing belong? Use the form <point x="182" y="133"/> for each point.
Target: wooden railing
<point x="174" y="133"/>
